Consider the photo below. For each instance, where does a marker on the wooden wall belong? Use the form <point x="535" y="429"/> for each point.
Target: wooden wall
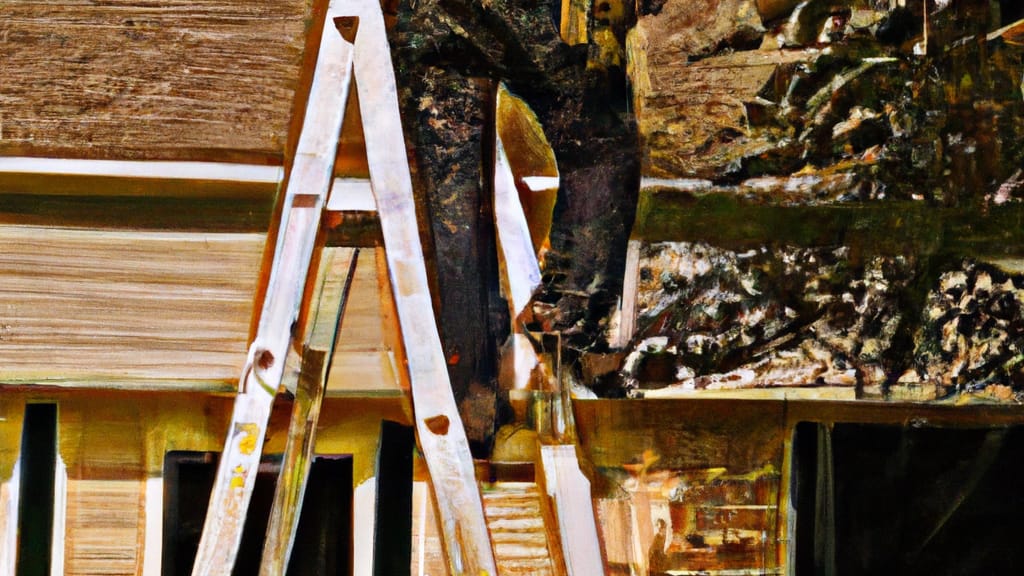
<point x="120" y="308"/>
<point x="181" y="79"/>
<point x="113" y="444"/>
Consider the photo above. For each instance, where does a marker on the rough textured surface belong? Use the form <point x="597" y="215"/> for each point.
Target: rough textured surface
<point x="972" y="333"/>
<point x="824" y="182"/>
<point x="719" y="319"/>
<point x="440" y="46"/>
<point x="832" y="89"/>
<point x="211" y="79"/>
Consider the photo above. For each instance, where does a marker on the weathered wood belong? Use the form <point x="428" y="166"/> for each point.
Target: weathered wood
<point x="308" y="186"/>
<point x="175" y="80"/>
<point x="167" y="309"/>
<point x="105" y="526"/>
<point x="684" y="108"/>
<point x="569" y="489"/>
<point x="321" y="335"/>
<point x="441" y="434"/>
<point x="522" y="544"/>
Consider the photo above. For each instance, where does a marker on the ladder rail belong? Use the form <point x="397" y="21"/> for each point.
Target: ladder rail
<point x="439" y="428"/>
<point x="305" y="196"/>
<point x="289" y="493"/>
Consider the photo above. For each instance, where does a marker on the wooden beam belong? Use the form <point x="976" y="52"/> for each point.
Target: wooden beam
<point x="569" y="489"/>
<point x="308" y="186"/>
<point x="682" y="213"/>
<point x="441" y="434"/>
<point x="318" y="350"/>
<point x="138" y="80"/>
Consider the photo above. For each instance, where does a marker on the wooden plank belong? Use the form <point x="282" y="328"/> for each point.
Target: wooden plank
<point x="199" y="196"/>
<point x="14" y="170"/>
<point x="126" y="309"/>
<point x="153" y="538"/>
<point x="104" y="526"/>
<point x="522" y="544"/>
<point x="143" y="80"/>
<point x="209" y="214"/>
<point x="441" y="434"/>
<point x="570" y="491"/>
<point x="308" y="186"/>
<point x="321" y="335"/>
<point x="12" y="412"/>
<point x="365" y="357"/>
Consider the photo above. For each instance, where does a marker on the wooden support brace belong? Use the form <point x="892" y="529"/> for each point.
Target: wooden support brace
<point x="309" y="394"/>
<point x="307" y="190"/>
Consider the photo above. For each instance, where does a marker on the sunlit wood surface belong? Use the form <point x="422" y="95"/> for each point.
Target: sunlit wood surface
<point x="121" y="308"/>
<point x="178" y="79"/>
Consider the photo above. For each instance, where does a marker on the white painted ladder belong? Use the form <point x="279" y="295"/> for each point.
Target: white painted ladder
<point x="364" y="54"/>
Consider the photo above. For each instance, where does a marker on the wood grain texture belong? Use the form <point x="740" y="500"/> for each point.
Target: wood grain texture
<point x="365" y="359"/>
<point x="142" y="79"/>
<point x="517" y="529"/>
<point x="125" y="307"/>
<point x="104" y="532"/>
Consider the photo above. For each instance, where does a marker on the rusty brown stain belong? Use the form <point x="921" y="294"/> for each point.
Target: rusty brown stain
<point x="438" y="424"/>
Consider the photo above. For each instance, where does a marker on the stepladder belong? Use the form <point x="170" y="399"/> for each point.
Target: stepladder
<point x="353" y="47"/>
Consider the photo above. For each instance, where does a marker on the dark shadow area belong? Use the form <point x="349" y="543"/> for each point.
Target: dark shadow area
<point x="38" y="464"/>
<point x="324" y="535"/>
<point x="908" y="500"/>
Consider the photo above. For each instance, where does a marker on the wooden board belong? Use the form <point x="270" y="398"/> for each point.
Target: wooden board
<point x="213" y="79"/>
<point x="367" y="354"/>
<point x="157" y="309"/>
<point x="104" y="532"/>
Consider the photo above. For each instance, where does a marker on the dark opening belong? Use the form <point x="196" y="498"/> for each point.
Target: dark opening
<point x="1010" y="11"/>
<point x="392" y="554"/>
<point x="907" y="500"/>
<point x="38" y="465"/>
<point x="322" y="543"/>
<point x="323" y="540"/>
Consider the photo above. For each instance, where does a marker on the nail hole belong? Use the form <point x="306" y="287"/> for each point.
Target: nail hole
<point x="265" y="359"/>
<point x="347" y="26"/>
<point x="438" y="424"/>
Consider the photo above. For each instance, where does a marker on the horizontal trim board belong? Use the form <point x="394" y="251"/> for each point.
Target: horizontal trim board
<point x="143" y="169"/>
<point x="102" y="212"/>
<point x="351" y="195"/>
<point x="729" y="221"/>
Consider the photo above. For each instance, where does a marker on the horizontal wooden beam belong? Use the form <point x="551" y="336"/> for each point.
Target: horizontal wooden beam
<point x="170" y="80"/>
<point x="880" y="227"/>
<point x="164" y="213"/>
<point x="21" y="166"/>
<point x="111" y="194"/>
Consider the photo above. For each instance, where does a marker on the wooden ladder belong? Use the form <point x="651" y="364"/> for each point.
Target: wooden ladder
<point x="353" y="46"/>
